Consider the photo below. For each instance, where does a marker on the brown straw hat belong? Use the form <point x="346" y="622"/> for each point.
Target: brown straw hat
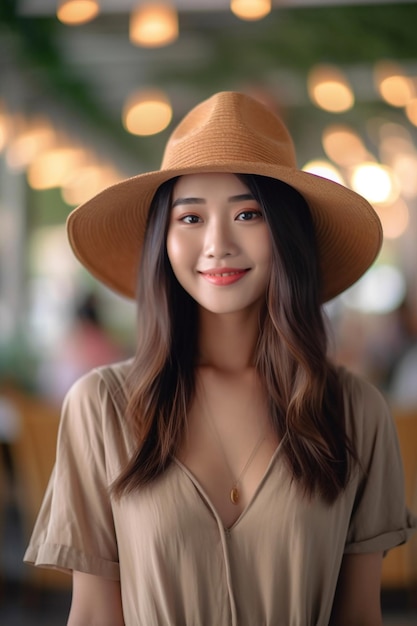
<point x="229" y="132"/>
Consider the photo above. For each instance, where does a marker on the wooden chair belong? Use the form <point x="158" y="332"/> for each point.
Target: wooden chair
<point x="400" y="565"/>
<point x="33" y="455"/>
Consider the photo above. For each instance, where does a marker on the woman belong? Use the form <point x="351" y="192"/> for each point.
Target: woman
<point x="229" y="474"/>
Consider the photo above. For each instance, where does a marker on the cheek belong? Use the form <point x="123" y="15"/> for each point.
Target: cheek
<point x="263" y="248"/>
<point x="178" y="252"/>
<point x="174" y="244"/>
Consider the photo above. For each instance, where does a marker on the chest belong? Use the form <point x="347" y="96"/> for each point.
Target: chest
<point x="228" y="446"/>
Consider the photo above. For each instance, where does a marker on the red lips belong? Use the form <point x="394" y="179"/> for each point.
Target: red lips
<point x="224" y="276"/>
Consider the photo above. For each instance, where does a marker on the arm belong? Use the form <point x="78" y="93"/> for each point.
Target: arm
<point x="96" y="601"/>
<point x="357" y="598"/>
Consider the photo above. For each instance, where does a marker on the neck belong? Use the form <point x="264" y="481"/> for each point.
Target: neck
<point x="228" y="342"/>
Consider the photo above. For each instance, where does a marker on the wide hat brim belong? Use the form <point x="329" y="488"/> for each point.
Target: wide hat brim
<point x="106" y="233"/>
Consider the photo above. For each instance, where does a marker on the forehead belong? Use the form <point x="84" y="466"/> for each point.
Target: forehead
<point x="208" y="184"/>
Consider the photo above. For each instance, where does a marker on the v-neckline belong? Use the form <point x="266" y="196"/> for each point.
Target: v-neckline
<point x="202" y="492"/>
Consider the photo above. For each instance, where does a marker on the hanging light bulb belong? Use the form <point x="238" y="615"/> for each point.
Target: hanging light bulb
<point x="323" y="168"/>
<point x="343" y="145"/>
<point x="250" y="10"/>
<point x="147" y="112"/>
<point x="329" y="89"/>
<point x="37" y="135"/>
<point x="153" y="24"/>
<point x="74" y="12"/>
<point x="393" y="85"/>
<point x="50" y="168"/>
<point x="375" y="182"/>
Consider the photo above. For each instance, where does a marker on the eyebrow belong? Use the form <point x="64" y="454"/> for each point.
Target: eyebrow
<point x="239" y="198"/>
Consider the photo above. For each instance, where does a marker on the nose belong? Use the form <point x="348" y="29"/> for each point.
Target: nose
<point x="219" y="241"/>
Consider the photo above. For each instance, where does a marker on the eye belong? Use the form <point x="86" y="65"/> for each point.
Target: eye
<point x="247" y="216"/>
<point x="190" y="219"/>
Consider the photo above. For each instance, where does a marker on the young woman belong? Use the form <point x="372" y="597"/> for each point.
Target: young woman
<point x="229" y="474"/>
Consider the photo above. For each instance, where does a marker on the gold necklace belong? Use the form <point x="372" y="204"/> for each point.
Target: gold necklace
<point x="234" y="493"/>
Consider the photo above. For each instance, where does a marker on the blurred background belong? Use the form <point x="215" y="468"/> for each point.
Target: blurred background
<point x="89" y="92"/>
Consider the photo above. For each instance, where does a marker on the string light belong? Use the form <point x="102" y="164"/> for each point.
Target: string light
<point x="343" y="146"/>
<point x="154" y="24"/>
<point x="250" y="10"/>
<point x="52" y="167"/>
<point x="147" y="112"/>
<point x="393" y="86"/>
<point x="329" y="89"/>
<point x="323" y="168"/>
<point x="376" y="182"/>
<point x="74" y="12"/>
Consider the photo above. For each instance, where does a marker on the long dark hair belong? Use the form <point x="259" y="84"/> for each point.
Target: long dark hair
<point x="305" y="396"/>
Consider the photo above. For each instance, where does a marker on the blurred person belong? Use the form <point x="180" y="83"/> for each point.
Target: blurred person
<point x="229" y="473"/>
<point x="86" y="345"/>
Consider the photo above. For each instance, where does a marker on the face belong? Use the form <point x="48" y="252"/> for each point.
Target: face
<point x="218" y="242"/>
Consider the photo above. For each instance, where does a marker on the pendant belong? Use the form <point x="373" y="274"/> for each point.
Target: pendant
<point x="234" y="495"/>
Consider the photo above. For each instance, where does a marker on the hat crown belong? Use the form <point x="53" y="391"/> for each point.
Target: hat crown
<point x="229" y="127"/>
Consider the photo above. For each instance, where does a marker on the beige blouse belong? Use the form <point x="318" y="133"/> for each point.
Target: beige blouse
<point x="276" y="566"/>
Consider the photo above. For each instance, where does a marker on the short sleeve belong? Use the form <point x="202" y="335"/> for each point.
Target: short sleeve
<point x="75" y="529"/>
<point x="380" y="519"/>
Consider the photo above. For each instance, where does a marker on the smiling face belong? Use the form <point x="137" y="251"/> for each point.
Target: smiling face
<point x="218" y="243"/>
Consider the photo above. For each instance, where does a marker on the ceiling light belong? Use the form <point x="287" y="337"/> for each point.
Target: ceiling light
<point x="73" y="12"/>
<point x="153" y="24"/>
<point x="24" y="147"/>
<point x="324" y="169"/>
<point x="83" y="183"/>
<point x="396" y="90"/>
<point x="329" y="89"/>
<point x="393" y="86"/>
<point x="343" y="146"/>
<point x="147" y="112"/>
<point x="250" y="9"/>
<point x="52" y="167"/>
<point x="377" y="183"/>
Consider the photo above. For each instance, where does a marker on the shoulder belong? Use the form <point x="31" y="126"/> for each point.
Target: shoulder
<point x="358" y="392"/>
<point x="96" y="401"/>
<point x="367" y="414"/>
<point x="100" y="384"/>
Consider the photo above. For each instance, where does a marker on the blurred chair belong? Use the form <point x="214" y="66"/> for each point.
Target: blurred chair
<point x="33" y="456"/>
<point x="400" y="565"/>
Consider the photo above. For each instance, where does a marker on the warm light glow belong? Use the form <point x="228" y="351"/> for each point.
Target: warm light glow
<point x="324" y="169"/>
<point x="396" y="90"/>
<point x="147" y="113"/>
<point x="405" y="169"/>
<point x="393" y="86"/>
<point x="329" y="89"/>
<point x="250" y="10"/>
<point x="153" y="24"/>
<point x="394" y="218"/>
<point x="74" y="12"/>
<point x="343" y="146"/>
<point x="26" y="145"/>
<point x="411" y="111"/>
<point x="85" y="182"/>
<point x="375" y="182"/>
<point x="51" y="168"/>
